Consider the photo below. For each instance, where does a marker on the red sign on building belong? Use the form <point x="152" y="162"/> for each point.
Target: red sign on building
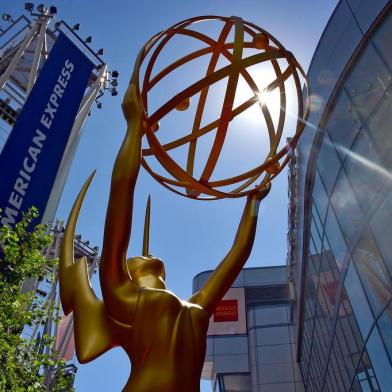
<point x="227" y="310"/>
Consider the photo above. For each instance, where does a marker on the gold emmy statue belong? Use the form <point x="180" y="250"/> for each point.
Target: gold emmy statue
<point x="163" y="335"/>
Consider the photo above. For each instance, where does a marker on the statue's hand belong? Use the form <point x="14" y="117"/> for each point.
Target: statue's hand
<point x="259" y="193"/>
<point x="132" y="106"/>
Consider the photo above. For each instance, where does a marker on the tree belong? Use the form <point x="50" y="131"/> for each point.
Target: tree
<point x="22" y="359"/>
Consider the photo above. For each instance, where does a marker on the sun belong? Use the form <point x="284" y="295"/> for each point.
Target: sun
<point x="269" y="99"/>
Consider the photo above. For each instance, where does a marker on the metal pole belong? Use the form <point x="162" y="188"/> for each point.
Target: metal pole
<point x="43" y="24"/>
<point x="15" y="60"/>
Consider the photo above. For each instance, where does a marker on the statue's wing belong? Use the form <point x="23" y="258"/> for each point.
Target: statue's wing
<point x="93" y="328"/>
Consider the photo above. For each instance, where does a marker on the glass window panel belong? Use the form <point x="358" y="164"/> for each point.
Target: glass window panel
<point x="334" y="386"/>
<point x="381" y="227"/>
<point x="372" y="271"/>
<point x="304" y="366"/>
<point x="323" y="307"/>
<point x="381" y="39"/>
<point x="267" y="292"/>
<point x="236" y="382"/>
<point x="334" y="368"/>
<point x="365" y="371"/>
<point x="305" y="346"/>
<point x="309" y="309"/>
<point x="379" y="360"/>
<point x="210" y="346"/>
<point x="346" y="206"/>
<point x="276" y="373"/>
<point x="346" y="42"/>
<point x="274" y="335"/>
<point x="230" y="345"/>
<point x="357" y="335"/>
<point x="356" y="339"/>
<point x="328" y="283"/>
<point x="271" y="315"/>
<point x="334" y="239"/>
<point x="347" y="345"/>
<point x="328" y="42"/>
<point x="356" y="387"/>
<point x="320" y="343"/>
<point x="313" y="265"/>
<point x="365" y="171"/>
<point x="231" y="363"/>
<point x="316" y="218"/>
<point x="310" y="294"/>
<point x="366" y="83"/>
<point x="320" y="198"/>
<point x="315" y="237"/>
<point x="385" y="326"/>
<point x="367" y="11"/>
<point x="307" y="337"/>
<point x="255" y="276"/>
<point x="379" y="130"/>
<point x="343" y="126"/>
<point x="332" y="264"/>
<point x="340" y="366"/>
<point x="328" y="384"/>
<point x="311" y="379"/>
<point x="328" y="163"/>
<point x="358" y="301"/>
<point x="324" y="326"/>
<point x="312" y="248"/>
<point x="365" y="386"/>
<point x="280" y="353"/>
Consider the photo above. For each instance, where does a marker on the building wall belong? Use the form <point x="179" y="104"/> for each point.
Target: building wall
<point x="343" y="246"/>
<point x="263" y="358"/>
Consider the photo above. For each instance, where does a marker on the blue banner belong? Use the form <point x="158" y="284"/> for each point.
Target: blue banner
<point x="32" y="154"/>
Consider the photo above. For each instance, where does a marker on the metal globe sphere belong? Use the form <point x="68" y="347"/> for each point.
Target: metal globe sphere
<point x="236" y="48"/>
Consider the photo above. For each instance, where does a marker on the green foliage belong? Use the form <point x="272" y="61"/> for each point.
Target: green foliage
<point x="22" y="360"/>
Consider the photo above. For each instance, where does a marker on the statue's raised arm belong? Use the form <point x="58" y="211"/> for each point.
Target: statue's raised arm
<point x="114" y="274"/>
<point x="228" y="269"/>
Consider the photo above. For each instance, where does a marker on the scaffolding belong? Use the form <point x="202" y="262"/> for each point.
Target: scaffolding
<point x="55" y="326"/>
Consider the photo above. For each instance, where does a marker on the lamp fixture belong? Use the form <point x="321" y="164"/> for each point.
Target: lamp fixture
<point x="7" y="18"/>
<point x="29" y="6"/>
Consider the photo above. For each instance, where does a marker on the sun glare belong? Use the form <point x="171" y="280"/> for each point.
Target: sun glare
<point x="268" y="98"/>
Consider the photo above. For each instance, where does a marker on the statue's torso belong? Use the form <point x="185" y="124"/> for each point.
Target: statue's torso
<point x="167" y="343"/>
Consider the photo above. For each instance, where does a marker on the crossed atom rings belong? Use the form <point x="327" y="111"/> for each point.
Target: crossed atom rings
<point x="269" y="48"/>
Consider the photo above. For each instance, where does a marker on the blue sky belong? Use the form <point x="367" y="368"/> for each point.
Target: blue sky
<point x="190" y="236"/>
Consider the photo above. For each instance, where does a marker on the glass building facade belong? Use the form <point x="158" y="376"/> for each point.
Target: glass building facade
<point x="340" y="236"/>
<point x="263" y="357"/>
